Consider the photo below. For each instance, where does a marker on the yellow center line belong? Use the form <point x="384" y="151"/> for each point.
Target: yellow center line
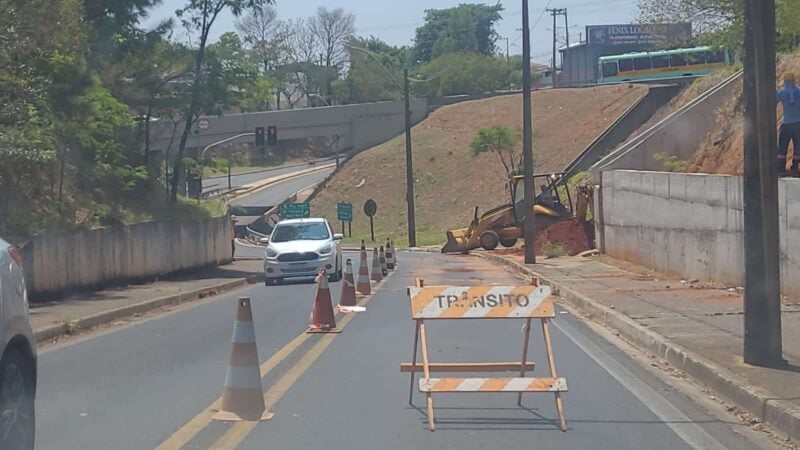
<point x="191" y="428"/>
<point x="240" y="430"/>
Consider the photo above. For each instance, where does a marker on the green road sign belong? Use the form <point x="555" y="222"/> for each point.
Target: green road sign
<point x="345" y="211"/>
<point x="295" y="210"/>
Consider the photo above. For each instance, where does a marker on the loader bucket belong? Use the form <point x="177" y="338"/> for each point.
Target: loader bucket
<point x="456" y="241"/>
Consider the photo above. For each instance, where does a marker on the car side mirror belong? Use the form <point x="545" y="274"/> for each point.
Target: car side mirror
<point x="338" y="236"/>
<point x="264" y="241"/>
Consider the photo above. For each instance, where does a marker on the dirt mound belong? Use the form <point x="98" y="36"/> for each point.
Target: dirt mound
<point x="723" y="149"/>
<point x="574" y="236"/>
<point x="449" y="182"/>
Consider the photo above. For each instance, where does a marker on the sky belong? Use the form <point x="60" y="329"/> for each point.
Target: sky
<point x="376" y="18"/>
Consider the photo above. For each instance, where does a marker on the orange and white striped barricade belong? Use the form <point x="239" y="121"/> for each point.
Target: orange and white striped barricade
<point x="483" y="302"/>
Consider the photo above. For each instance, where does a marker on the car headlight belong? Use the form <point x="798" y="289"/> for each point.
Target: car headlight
<point x="271" y="253"/>
<point x="325" y="250"/>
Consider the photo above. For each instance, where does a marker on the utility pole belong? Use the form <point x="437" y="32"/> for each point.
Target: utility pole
<point x="762" y="293"/>
<point x="555" y="12"/>
<point x="508" y="56"/>
<point x="529" y="227"/>
<point x="566" y="26"/>
<point x="412" y="227"/>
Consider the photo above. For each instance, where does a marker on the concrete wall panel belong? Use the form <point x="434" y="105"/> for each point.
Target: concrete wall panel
<point x="59" y="262"/>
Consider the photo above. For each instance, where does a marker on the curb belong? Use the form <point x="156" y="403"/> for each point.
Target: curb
<point x="782" y="415"/>
<point x="53" y="331"/>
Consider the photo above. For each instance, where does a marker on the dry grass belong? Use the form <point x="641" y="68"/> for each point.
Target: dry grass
<point x="449" y="181"/>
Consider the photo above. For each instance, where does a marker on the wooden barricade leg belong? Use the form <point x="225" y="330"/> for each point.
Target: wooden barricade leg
<point x="548" y="346"/>
<point x="525" y="344"/>
<point x="427" y="372"/>
<point x="413" y="364"/>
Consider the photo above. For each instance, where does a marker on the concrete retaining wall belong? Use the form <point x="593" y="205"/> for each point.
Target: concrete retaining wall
<point x="691" y="224"/>
<point x="679" y="134"/>
<point x="624" y="126"/>
<point x="59" y="262"/>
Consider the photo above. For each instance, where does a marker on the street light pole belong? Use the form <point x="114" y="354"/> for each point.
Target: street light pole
<point x="529" y="228"/>
<point x="412" y="228"/>
<point x="762" y="293"/>
<point x="210" y="146"/>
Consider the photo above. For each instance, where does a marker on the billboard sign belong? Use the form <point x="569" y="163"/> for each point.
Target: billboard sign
<point x="655" y="35"/>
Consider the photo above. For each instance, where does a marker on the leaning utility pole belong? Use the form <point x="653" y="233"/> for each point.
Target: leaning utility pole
<point x="412" y="227"/>
<point x="529" y="227"/>
<point x="762" y="290"/>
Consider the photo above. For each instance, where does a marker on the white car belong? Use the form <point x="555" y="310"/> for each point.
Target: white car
<point x="301" y="248"/>
<point x="18" y="361"/>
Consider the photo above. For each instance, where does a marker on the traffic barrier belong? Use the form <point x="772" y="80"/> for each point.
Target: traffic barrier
<point x="362" y="286"/>
<point x="377" y="273"/>
<point x="395" y="256"/>
<point x="483" y="302"/>
<point x="382" y="259"/>
<point x="243" y="395"/>
<point x="389" y="256"/>
<point x="347" y="299"/>
<point x="322" y="318"/>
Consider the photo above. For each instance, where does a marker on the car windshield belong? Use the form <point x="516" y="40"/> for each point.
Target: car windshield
<point x="316" y="231"/>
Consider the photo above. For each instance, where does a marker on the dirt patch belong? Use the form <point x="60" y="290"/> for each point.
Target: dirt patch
<point x="449" y="182"/>
<point x="722" y="152"/>
<point x="574" y="236"/>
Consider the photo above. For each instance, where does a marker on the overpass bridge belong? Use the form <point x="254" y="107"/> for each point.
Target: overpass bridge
<point x="358" y="126"/>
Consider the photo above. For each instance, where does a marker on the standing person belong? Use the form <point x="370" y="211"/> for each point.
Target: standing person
<point x="789" y="97"/>
<point x="234" y="219"/>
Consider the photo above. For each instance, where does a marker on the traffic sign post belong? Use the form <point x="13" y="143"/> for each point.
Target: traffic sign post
<point x="483" y="302"/>
<point x="370" y="208"/>
<point x="295" y="210"/>
<point x="344" y="211"/>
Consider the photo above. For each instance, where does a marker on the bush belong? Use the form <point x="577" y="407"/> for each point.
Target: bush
<point x="462" y="74"/>
<point x="553" y="249"/>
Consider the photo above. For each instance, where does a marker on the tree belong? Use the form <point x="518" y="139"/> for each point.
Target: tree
<point x="462" y="74"/>
<point x="200" y="15"/>
<point x="502" y="142"/>
<point x="716" y="22"/>
<point x="367" y="79"/>
<point x="332" y="30"/>
<point x="464" y="28"/>
<point x="261" y="30"/>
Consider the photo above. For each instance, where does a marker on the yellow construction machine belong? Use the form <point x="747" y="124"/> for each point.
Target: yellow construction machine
<point x="503" y="225"/>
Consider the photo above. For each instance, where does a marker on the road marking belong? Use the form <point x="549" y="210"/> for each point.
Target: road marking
<point x="240" y="430"/>
<point x="691" y="433"/>
<point x="191" y="428"/>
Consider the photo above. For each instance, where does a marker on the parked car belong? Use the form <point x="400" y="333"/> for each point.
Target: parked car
<point x="18" y="363"/>
<point x="301" y="248"/>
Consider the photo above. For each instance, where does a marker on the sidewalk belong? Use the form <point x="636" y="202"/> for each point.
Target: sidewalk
<point x="81" y="311"/>
<point x="696" y="328"/>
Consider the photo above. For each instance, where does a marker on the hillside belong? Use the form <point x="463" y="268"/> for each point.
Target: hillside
<point x="722" y="152"/>
<point x="449" y="181"/>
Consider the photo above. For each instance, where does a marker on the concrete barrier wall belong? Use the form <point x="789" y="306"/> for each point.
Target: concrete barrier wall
<point x="59" y="262"/>
<point x="679" y="134"/>
<point x="691" y="224"/>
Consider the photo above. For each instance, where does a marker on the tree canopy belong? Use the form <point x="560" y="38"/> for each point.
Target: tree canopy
<point x="463" y="28"/>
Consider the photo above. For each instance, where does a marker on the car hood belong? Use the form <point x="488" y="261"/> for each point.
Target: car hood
<point x="298" y="246"/>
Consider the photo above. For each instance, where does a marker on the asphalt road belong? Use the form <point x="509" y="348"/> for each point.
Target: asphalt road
<point x="246" y="178"/>
<point x="154" y="382"/>
<point x="279" y="192"/>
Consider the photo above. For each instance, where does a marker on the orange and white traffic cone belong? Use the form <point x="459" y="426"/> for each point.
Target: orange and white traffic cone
<point x="322" y="319"/>
<point x="389" y="255"/>
<point x="347" y="299"/>
<point x="377" y="273"/>
<point x="362" y="285"/>
<point x="243" y="396"/>
<point x="382" y="259"/>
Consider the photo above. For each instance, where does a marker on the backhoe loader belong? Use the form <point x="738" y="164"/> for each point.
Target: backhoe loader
<point x="503" y="224"/>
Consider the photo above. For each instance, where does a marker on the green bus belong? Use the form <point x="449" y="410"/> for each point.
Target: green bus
<point x="660" y="65"/>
